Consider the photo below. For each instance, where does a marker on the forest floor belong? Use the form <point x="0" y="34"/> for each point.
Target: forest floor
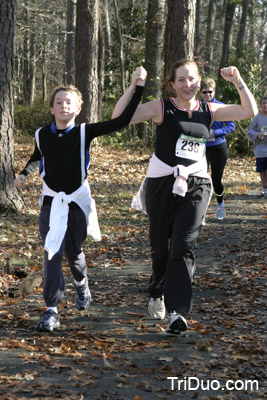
<point x="114" y="350"/>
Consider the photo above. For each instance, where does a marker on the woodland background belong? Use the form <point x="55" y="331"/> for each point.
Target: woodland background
<point x="96" y="44"/>
<point x="115" y="351"/>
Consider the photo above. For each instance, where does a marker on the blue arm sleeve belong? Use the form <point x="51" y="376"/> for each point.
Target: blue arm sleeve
<point x="226" y="128"/>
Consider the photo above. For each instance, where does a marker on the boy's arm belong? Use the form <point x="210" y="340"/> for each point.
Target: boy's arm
<point x="252" y="131"/>
<point x="29" y="168"/>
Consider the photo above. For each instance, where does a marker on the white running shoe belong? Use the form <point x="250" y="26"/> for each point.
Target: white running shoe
<point x="156" y="307"/>
<point x="177" y="323"/>
<point x="220" y="212"/>
<point x="82" y="295"/>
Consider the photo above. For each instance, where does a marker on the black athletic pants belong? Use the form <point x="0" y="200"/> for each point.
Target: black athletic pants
<point x="174" y="225"/>
<point x="53" y="287"/>
<point x="216" y="158"/>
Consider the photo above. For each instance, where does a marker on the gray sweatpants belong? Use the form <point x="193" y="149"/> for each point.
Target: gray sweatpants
<point x="53" y="287"/>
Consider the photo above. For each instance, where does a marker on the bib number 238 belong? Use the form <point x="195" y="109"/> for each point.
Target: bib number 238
<point x="190" y="147"/>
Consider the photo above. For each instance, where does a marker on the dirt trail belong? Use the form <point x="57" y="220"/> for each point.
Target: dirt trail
<point x="116" y="351"/>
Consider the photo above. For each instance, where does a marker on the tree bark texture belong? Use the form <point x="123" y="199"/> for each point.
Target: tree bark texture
<point x="8" y="194"/>
<point x="242" y="29"/>
<point x="180" y="30"/>
<point x="70" y="37"/>
<point x="86" y="57"/>
<point x="229" y="16"/>
<point x="121" y="52"/>
<point x="210" y="36"/>
<point x="153" y="54"/>
<point x="154" y="45"/>
<point x="106" y="29"/>
<point x="197" y="29"/>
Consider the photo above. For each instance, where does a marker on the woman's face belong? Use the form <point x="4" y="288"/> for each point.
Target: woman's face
<point x="207" y="93"/>
<point x="186" y="82"/>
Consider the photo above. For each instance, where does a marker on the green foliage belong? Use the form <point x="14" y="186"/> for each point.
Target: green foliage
<point x="132" y="19"/>
<point x="28" y="119"/>
<point x="250" y="71"/>
<point x="238" y="142"/>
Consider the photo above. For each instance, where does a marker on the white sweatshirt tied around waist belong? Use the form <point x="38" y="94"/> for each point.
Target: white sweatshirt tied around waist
<point x="158" y="168"/>
<point x="58" y="221"/>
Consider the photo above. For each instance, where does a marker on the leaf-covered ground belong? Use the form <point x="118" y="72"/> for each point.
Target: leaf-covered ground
<point x="115" y="350"/>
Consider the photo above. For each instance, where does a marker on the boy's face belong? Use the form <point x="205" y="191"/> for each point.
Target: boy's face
<point x="65" y="107"/>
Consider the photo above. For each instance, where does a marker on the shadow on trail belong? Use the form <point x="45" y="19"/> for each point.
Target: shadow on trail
<point x="116" y="351"/>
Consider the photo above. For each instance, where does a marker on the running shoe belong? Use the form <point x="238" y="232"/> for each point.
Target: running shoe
<point x="177" y="323"/>
<point x="220" y="212"/>
<point x="82" y="295"/>
<point x="156" y="307"/>
<point x="48" y="322"/>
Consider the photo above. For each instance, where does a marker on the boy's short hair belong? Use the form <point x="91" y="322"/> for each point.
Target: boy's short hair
<point x="263" y="98"/>
<point x="69" y="88"/>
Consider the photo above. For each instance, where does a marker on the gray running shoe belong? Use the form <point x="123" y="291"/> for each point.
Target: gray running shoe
<point x="48" y="322"/>
<point x="220" y="212"/>
<point x="177" y="323"/>
<point x="82" y="295"/>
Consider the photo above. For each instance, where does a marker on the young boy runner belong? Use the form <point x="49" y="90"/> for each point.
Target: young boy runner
<point x="68" y="212"/>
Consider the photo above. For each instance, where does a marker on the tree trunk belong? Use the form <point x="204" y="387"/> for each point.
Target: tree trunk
<point x="180" y="29"/>
<point x="229" y="16"/>
<point x="86" y="57"/>
<point x="29" y="53"/>
<point x="9" y="198"/>
<point x="69" y="54"/>
<point x="121" y="52"/>
<point x="100" y="68"/>
<point x="263" y="86"/>
<point x="252" y="25"/>
<point x="26" y="56"/>
<point x="106" y="29"/>
<point x="154" y="45"/>
<point x="44" y="67"/>
<point x="32" y="66"/>
<point x="197" y="29"/>
<point x="240" y="41"/>
<point x="107" y="42"/>
<point x="210" y="37"/>
<point x="153" y="58"/>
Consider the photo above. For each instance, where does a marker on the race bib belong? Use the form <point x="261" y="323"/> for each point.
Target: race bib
<point x="191" y="148"/>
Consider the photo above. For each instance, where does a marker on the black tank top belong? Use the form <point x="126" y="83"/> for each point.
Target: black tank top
<point x="175" y="122"/>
